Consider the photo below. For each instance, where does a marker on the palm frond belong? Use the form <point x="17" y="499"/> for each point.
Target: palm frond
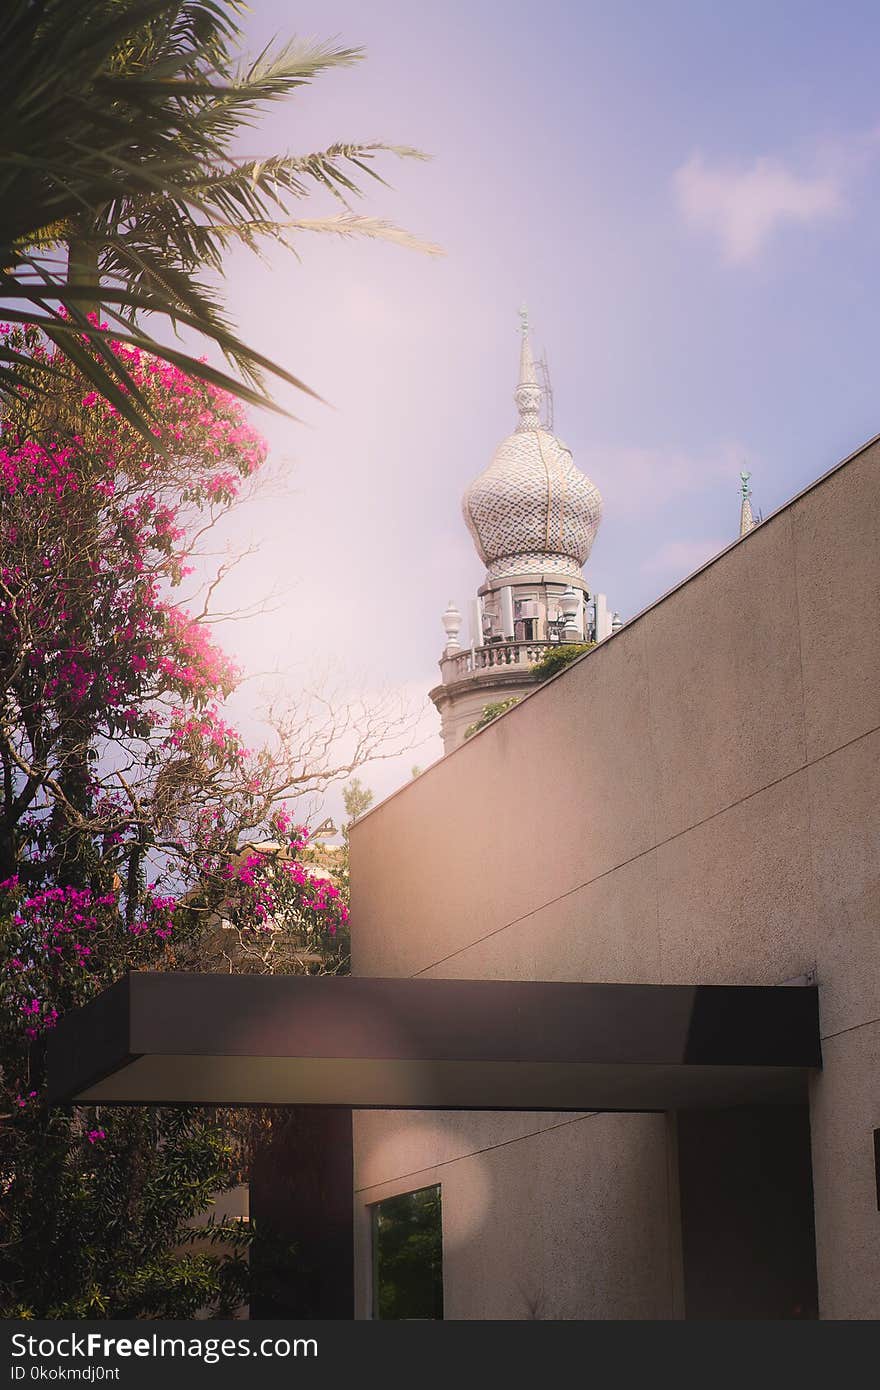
<point x="118" y="124"/>
<point x="349" y="224"/>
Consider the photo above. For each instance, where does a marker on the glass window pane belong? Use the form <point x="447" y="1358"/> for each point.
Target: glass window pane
<point x="408" y="1256"/>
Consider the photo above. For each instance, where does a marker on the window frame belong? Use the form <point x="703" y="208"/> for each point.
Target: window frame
<point x="374" y="1214"/>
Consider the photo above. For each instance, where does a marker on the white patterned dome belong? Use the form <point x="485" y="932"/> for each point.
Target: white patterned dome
<point x="532" y="511"/>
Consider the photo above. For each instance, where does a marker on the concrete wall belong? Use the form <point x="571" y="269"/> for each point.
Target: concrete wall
<point x="694" y="801"/>
<point x="544" y="1216"/>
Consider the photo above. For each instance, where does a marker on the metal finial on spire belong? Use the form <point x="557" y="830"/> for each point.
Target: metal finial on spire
<point x="746" y="517"/>
<point x="528" y="392"/>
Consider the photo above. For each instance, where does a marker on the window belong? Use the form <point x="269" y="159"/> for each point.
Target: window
<point x="525" y="608"/>
<point x="408" y="1256"/>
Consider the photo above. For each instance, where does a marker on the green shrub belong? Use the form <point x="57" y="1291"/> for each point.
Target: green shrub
<point x="559" y="657"/>
<point x="490" y="712"/>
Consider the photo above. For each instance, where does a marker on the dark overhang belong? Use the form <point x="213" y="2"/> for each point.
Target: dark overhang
<point x="157" y="1038"/>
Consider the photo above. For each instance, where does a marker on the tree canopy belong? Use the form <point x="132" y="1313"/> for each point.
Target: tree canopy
<point x="121" y="183"/>
<point x="137" y="831"/>
<point x="134" y="826"/>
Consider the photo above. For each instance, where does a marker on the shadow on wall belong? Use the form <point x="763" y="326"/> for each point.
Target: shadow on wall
<point x="748" y="1233"/>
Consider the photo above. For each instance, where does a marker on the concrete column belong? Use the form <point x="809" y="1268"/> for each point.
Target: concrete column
<point x="746" y="1194"/>
<point x="302" y="1177"/>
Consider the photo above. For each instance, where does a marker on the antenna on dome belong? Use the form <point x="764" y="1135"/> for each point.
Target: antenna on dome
<point x="747" y="520"/>
<point x="543" y="370"/>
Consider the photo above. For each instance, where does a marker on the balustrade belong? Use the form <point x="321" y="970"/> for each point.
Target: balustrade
<point x="494" y="654"/>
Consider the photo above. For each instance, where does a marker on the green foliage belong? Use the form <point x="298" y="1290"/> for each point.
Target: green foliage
<point x="489" y="713"/>
<point x="121" y="183"/>
<point x="409" y="1255"/>
<point x="557" y="658"/>
<point x="357" y="799"/>
<point x="99" y="1228"/>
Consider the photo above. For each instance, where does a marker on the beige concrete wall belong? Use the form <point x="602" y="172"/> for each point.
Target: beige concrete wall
<point x="544" y="1216"/>
<point x="694" y="801"/>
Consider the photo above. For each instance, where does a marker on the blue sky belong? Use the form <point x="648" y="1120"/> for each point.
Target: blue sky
<point x="685" y="194"/>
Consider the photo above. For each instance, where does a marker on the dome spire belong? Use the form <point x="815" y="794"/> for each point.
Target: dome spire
<point x="528" y="393"/>
<point x="526" y="365"/>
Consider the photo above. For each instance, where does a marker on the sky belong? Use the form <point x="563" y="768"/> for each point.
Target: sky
<point x="685" y="193"/>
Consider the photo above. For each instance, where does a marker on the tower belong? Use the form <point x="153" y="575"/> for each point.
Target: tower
<point x="533" y="517"/>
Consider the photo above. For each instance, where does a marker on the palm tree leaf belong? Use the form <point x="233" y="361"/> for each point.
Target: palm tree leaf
<point x="351" y="225"/>
<point x="119" y="136"/>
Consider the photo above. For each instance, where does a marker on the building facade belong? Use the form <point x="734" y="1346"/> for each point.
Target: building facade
<point x="611" y="1045"/>
<point x="695" y="801"/>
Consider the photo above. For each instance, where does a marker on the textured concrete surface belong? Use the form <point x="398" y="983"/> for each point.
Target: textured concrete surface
<point x="845" y="844"/>
<point x="696" y="800"/>
<point x="735" y="898"/>
<point x="836" y="530"/>
<point x="605" y="931"/>
<point x="845" y="1110"/>
<point x="509" y="1253"/>
<point x="724" y="671"/>
<point x="421" y="1141"/>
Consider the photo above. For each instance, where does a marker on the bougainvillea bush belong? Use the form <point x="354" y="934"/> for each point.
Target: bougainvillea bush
<point x="134" y="825"/>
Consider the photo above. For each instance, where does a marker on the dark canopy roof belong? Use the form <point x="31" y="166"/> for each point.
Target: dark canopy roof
<point x="422" y="1044"/>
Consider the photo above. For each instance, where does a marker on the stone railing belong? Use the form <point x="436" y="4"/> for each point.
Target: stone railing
<point x="495" y="654"/>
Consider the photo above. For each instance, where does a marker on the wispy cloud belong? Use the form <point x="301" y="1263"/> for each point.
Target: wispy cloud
<point x="677" y="559"/>
<point x="636" y="481"/>
<point x="743" y="206"/>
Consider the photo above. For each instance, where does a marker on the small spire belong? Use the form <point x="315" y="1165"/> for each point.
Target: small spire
<point x="451" y="621"/>
<point x="528" y="392"/>
<point x="526" y="364"/>
<point x="746" y="518"/>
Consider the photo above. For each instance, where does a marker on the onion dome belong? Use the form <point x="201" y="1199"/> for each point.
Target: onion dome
<point x="532" y="511"/>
